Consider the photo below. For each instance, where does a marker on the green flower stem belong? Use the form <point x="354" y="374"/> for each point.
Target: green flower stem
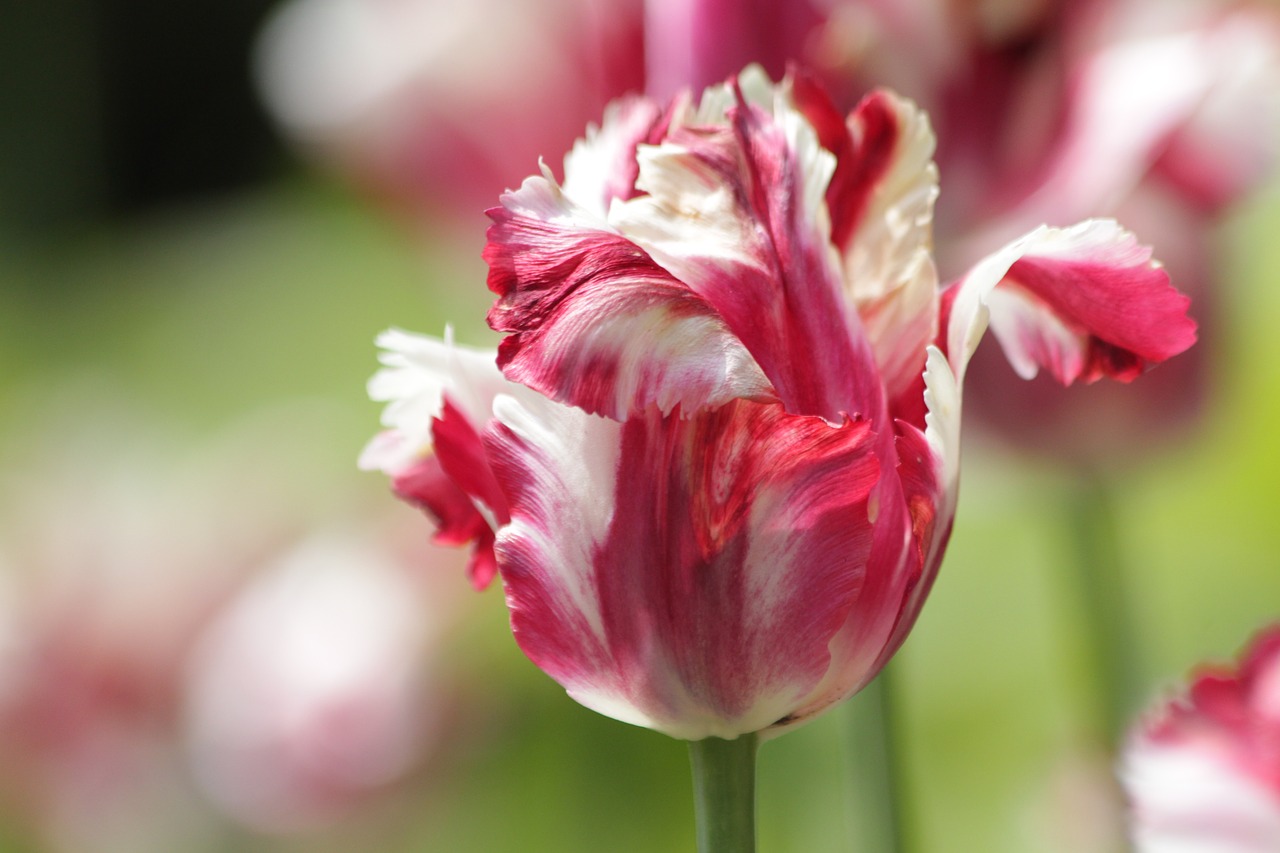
<point x="878" y="802"/>
<point x="1099" y="578"/>
<point x="724" y="793"/>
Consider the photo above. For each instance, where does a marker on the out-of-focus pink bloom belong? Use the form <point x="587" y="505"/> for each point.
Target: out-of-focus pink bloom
<point x="1203" y="770"/>
<point x="1033" y="102"/>
<point x="718" y="469"/>
<point x="109" y="581"/>
<point x="307" y="696"/>
<point x="428" y="102"/>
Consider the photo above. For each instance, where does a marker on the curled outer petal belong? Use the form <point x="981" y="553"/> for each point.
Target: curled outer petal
<point x="595" y="323"/>
<point x="439" y="397"/>
<point x="1083" y="302"/>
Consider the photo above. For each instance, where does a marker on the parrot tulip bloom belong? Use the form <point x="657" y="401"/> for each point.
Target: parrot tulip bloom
<point x="716" y="460"/>
<point x="1203" y="772"/>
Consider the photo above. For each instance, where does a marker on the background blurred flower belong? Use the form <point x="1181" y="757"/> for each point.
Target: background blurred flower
<point x="430" y="103"/>
<point x="126" y="595"/>
<point x="1203" y="770"/>
<point x="111" y="578"/>
<point x="309" y="694"/>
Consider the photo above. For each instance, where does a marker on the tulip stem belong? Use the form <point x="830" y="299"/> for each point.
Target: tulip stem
<point x="1103" y="596"/>
<point x="878" y="802"/>
<point x="724" y="793"/>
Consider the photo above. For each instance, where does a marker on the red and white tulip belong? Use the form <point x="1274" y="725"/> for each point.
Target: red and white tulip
<point x="1203" y="771"/>
<point x="715" y="458"/>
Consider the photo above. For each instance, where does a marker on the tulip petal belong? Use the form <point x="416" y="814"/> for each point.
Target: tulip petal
<point x="426" y="486"/>
<point x="686" y="574"/>
<point x="915" y="508"/>
<point x="881" y="202"/>
<point x="735" y="208"/>
<point x="417" y="372"/>
<point x="439" y="397"/>
<point x="595" y="323"/>
<point x="929" y="469"/>
<point x="602" y="165"/>
<point x="1083" y="302"/>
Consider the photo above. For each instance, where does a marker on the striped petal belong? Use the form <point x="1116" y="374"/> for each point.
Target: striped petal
<point x="602" y="165"/>
<point x="881" y="201"/>
<point x="915" y="507"/>
<point x="595" y="323"/>
<point x="457" y="517"/>
<point x="929" y="472"/>
<point x="417" y="373"/>
<point x="1082" y="302"/>
<point x="439" y="398"/>
<point x="685" y="574"/>
<point x="735" y="208"/>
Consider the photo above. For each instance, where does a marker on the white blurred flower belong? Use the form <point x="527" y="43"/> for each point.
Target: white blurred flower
<point x="308" y="694"/>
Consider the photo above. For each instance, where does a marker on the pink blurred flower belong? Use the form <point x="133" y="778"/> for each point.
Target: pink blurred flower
<point x="307" y="697"/>
<point x="430" y="103"/>
<point x="718" y="469"/>
<point x="120" y="547"/>
<point x="110" y="577"/>
<point x="1203" y="770"/>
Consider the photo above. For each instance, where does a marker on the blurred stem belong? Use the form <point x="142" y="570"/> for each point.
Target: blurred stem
<point x="877" y="804"/>
<point x="1099" y="579"/>
<point x="724" y="793"/>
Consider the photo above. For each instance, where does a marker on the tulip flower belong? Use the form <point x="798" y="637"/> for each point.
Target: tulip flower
<point x="715" y="458"/>
<point x="1201" y="770"/>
